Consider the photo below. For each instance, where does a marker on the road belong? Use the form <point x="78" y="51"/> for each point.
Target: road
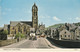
<point x="39" y="43"/>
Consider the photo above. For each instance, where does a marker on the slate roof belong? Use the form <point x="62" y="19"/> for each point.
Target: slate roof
<point x="72" y="26"/>
<point x="14" y="23"/>
<point x="78" y="27"/>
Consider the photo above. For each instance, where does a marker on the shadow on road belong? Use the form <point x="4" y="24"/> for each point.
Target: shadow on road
<point x="54" y="43"/>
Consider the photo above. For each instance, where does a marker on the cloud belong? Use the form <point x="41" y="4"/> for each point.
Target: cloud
<point x="55" y="18"/>
<point x="77" y="18"/>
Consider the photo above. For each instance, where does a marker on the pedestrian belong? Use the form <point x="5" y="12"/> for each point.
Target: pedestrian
<point x="18" y="39"/>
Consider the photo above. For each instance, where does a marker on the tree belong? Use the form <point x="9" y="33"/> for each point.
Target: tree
<point x="5" y="32"/>
<point x="3" y="35"/>
<point x="19" y="35"/>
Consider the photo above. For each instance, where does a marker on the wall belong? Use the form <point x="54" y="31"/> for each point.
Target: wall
<point x="7" y="42"/>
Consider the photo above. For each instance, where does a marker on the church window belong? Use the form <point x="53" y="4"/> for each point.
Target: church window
<point x="19" y="29"/>
<point x="34" y="13"/>
<point x="15" y="31"/>
<point x="24" y="28"/>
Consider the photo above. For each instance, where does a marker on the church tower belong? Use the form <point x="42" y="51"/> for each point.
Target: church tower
<point x="35" y="16"/>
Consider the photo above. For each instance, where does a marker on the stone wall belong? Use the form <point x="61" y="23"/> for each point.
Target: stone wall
<point x="7" y="42"/>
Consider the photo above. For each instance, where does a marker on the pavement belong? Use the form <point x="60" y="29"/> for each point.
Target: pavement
<point x="41" y="43"/>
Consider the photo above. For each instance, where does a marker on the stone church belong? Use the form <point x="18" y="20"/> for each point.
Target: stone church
<point x="23" y="26"/>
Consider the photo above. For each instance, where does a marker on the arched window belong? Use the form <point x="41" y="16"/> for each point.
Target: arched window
<point x="24" y="28"/>
<point x="19" y="29"/>
<point x="15" y="31"/>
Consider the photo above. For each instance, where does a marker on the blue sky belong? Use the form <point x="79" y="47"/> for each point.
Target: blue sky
<point x="50" y="12"/>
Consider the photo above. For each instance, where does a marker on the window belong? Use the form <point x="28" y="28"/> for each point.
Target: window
<point x="19" y="29"/>
<point x="68" y="35"/>
<point x="53" y="30"/>
<point x="15" y="31"/>
<point x="24" y="28"/>
<point x="65" y="32"/>
<point x="77" y="36"/>
<point x="34" y="13"/>
<point x="61" y="35"/>
<point x="65" y="35"/>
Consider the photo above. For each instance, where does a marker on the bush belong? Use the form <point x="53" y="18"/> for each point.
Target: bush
<point x="19" y="35"/>
<point x="3" y="35"/>
<point x="5" y="32"/>
<point x="22" y="35"/>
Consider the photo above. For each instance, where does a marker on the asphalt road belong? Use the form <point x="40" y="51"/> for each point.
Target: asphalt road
<point x="39" y="43"/>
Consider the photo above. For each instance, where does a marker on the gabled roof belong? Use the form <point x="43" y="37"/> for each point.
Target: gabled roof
<point x="14" y="23"/>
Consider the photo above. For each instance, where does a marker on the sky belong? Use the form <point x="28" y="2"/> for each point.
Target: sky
<point x="50" y="12"/>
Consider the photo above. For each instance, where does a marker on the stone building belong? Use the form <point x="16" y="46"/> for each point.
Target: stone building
<point x="54" y="33"/>
<point x="65" y="35"/>
<point x="41" y="28"/>
<point x="23" y="26"/>
<point x="16" y="27"/>
<point x="77" y="33"/>
<point x="7" y="27"/>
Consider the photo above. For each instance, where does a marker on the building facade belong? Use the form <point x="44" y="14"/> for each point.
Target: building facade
<point x="77" y="32"/>
<point x="23" y="26"/>
<point x="65" y="35"/>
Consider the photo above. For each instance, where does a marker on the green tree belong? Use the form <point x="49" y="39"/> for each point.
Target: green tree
<point x="3" y="35"/>
<point x="19" y="35"/>
<point x="22" y="35"/>
<point x="5" y="32"/>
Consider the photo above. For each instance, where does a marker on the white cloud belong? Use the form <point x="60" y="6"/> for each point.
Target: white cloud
<point x="77" y="18"/>
<point x="55" y="18"/>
